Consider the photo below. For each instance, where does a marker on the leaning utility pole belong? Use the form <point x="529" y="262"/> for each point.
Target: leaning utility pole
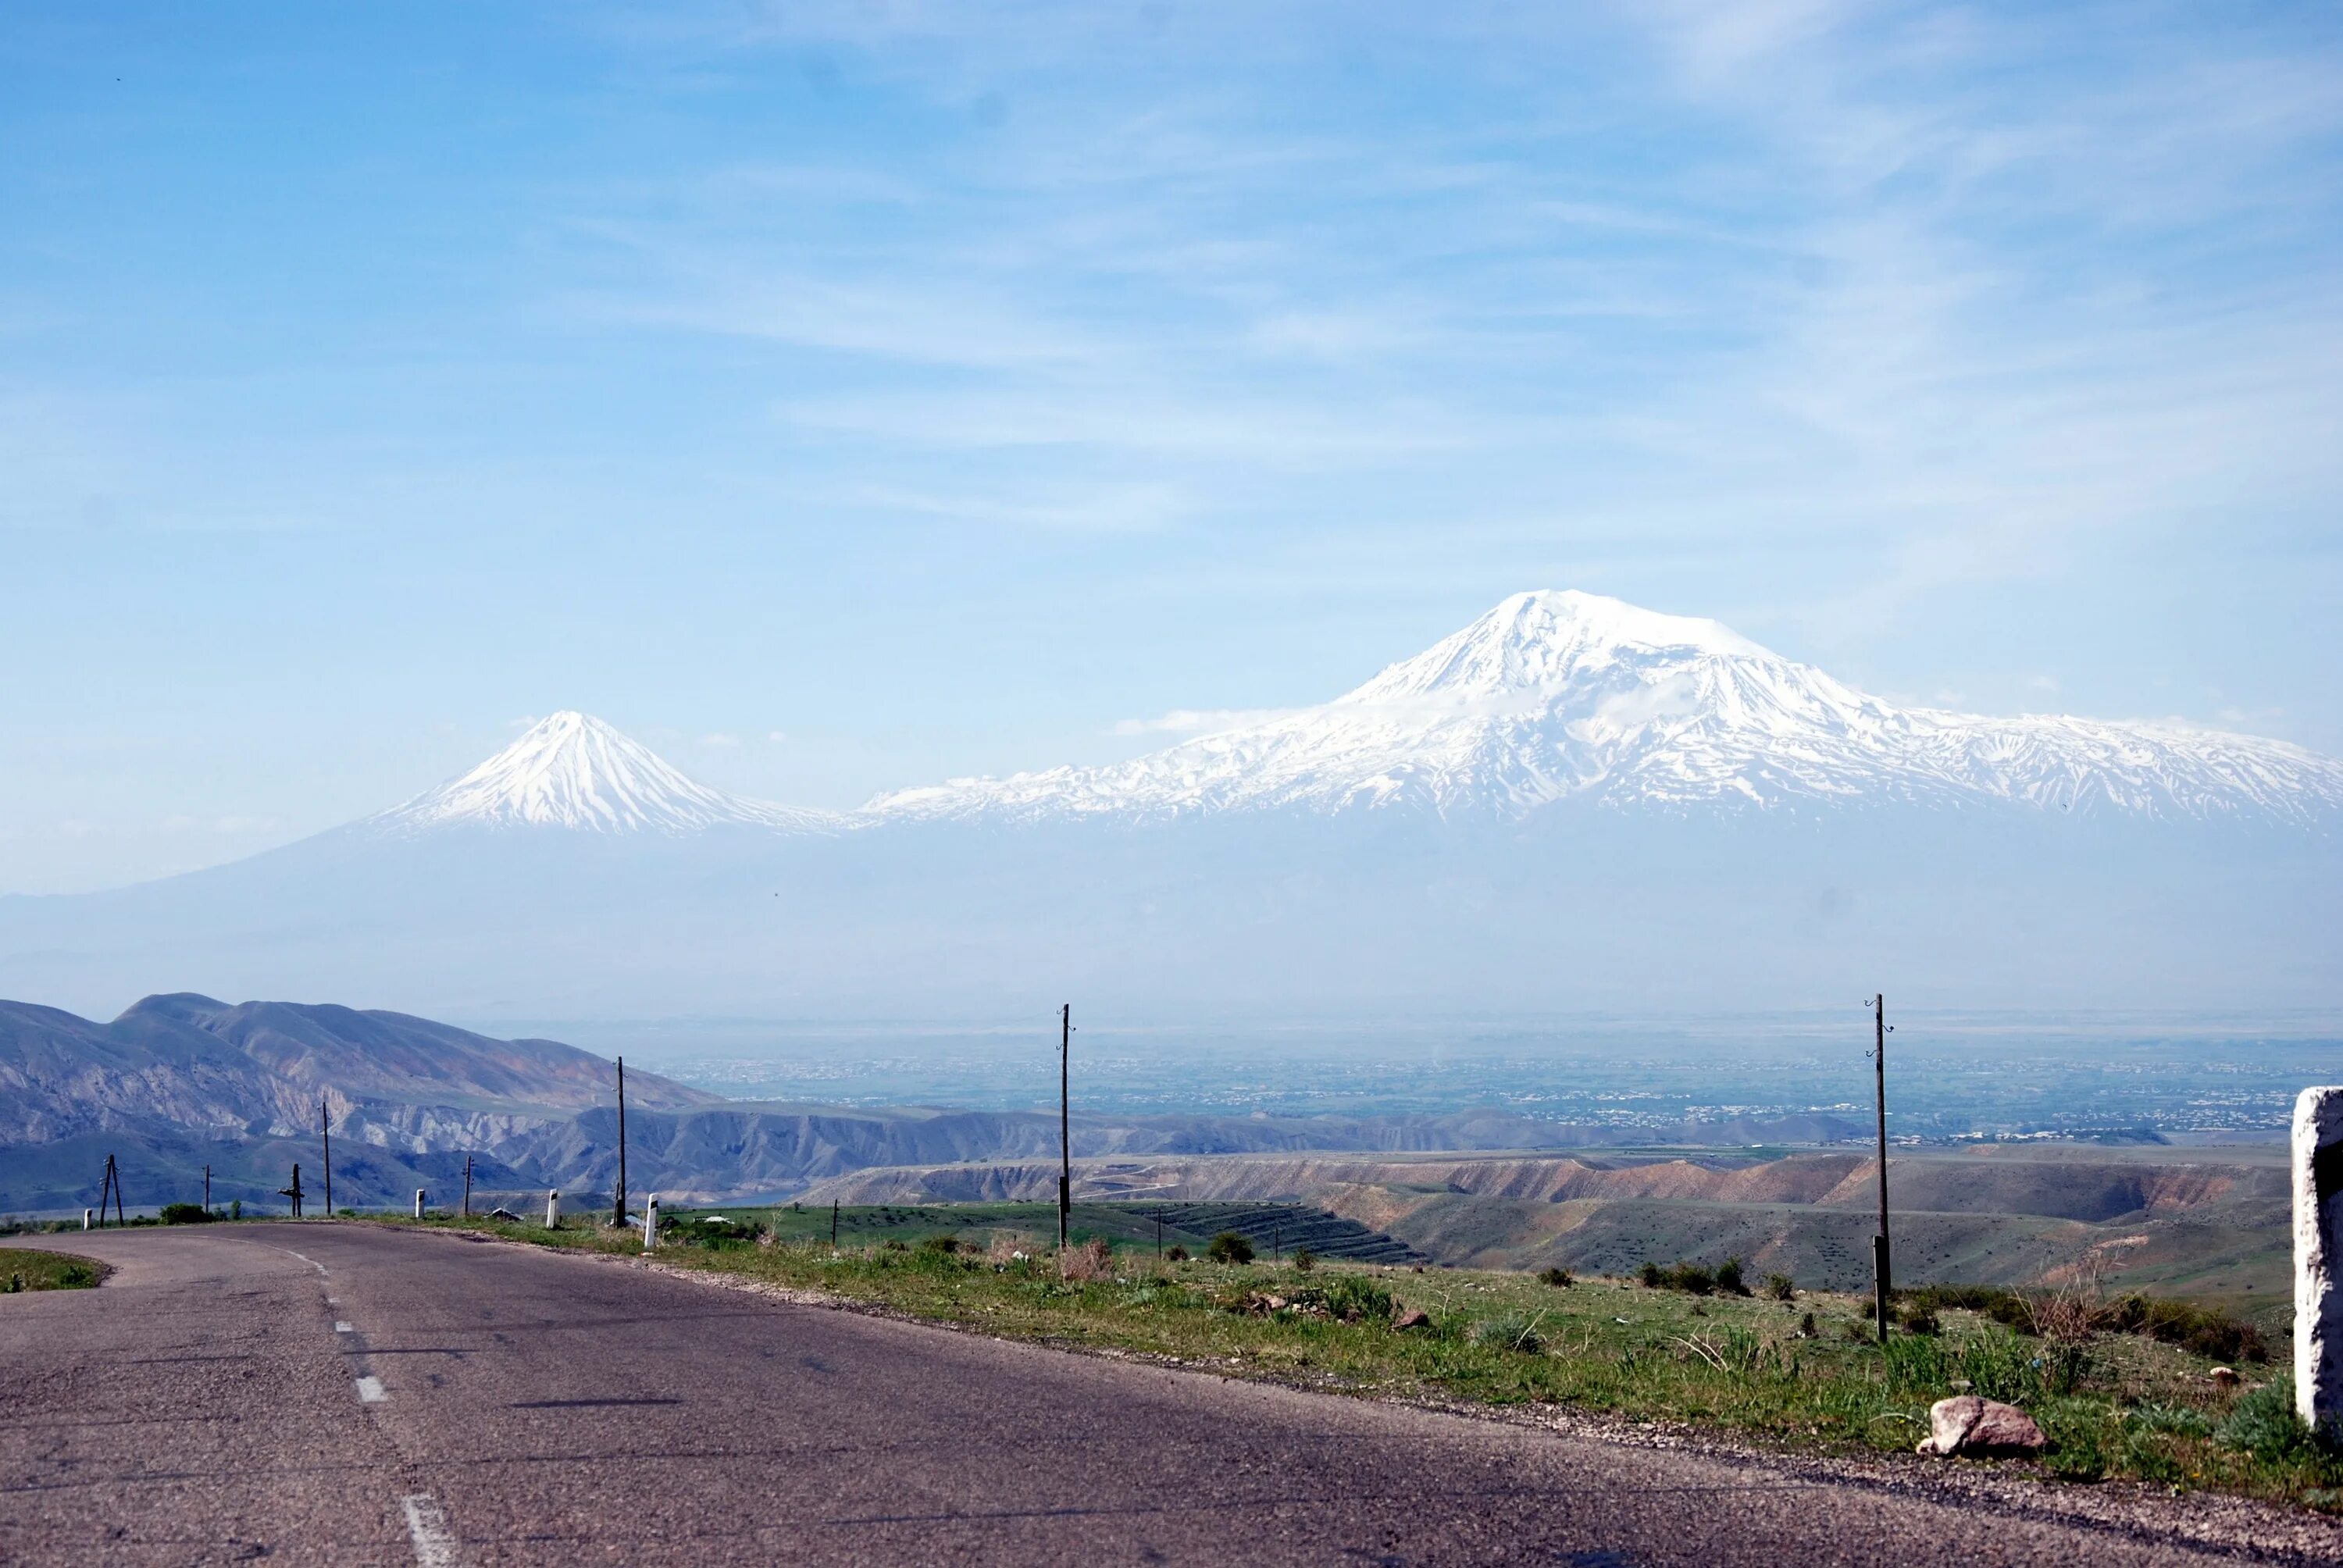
<point x="1879" y="1242"/>
<point x="111" y="1184"/>
<point x="618" y="1203"/>
<point x="326" y="1136"/>
<point x="467" y="1186"/>
<point x="1065" y="1121"/>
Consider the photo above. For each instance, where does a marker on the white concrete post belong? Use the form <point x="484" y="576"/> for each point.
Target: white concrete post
<point x="552" y="1209"/>
<point x="419" y="1202"/>
<point x="651" y="1222"/>
<point x="85" y="1218"/>
<point x="2318" y="1255"/>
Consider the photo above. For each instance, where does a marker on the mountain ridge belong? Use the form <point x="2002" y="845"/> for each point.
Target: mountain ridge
<point x="263" y="1068"/>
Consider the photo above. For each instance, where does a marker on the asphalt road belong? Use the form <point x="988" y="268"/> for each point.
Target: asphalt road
<point x="345" y="1394"/>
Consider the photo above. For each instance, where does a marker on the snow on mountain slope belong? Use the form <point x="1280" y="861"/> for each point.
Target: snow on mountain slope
<point x="1554" y="696"/>
<point x="572" y="771"/>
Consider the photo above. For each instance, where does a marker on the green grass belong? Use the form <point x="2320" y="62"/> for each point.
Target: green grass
<point x="2123" y="1405"/>
<point x="31" y="1269"/>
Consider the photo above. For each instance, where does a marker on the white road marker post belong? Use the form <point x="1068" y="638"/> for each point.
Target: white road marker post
<point x="552" y="1209"/>
<point x="85" y="1218"/>
<point x="2319" y="1256"/>
<point x="651" y="1222"/>
<point x="419" y="1202"/>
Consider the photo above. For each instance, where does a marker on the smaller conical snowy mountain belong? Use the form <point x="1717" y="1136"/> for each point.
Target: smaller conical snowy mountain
<point x="1556" y="696"/>
<point x="572" y="771"/>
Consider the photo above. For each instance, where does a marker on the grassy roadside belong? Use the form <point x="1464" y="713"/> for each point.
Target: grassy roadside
<point x="1792" y="1373"/>
<point x="32" y="1269"/>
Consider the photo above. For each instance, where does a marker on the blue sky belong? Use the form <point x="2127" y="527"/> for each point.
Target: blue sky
<point x="841" y="396"/>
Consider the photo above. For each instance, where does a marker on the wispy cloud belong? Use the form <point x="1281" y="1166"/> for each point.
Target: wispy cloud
<point x="1100" y="509"/>
<point x="1187" y="721"/>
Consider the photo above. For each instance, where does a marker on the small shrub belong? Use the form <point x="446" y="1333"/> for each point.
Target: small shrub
<point x="2000" y="1367"/>
<point x="186" y="1214"/>
<point x="1228" y="1246"/>
<point x="1739" y="1348"/>
<point x="2061" y="1365"/>
<point x="2200" y="1331"/>
<point x="1559" y="1278"/>
<point x="941" y="1245"/>
<point x="1916" y="1365"/>
<point x="2263" y="1424"/>
<point x="1781" y="1287"/>
<point x="1356" y="1298"/>
<point x="236" y="1209"/>
<point x="1304" y="1258"/>
<point x="2181" y="1420"/>
<point x="1728" y="1278"/>
<point x="1093" y="1260"/>
<point x="1806" y="1329"/>
<point x="1918" y="1320"/>
<point x="1689" y="1278"/>
<point x="1177" y="1254"/>
<point x="1508" y="1330"/>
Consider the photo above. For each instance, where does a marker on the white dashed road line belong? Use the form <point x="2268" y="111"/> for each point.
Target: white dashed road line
<point x="342" y="1328"/>
<point x="428" y="1528"/>
<point x="370" y="1390"/>
<point x="302" y="1256"/>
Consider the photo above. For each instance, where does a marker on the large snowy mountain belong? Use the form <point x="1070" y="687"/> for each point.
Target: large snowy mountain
<point x="1561" y="695"/>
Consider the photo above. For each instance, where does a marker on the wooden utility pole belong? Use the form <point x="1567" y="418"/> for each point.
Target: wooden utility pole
<point x="1879" y="1244"/>
<point x="1159" y="1238"/>
<point x="326" y="1136"/>
<point x="619" y="1204"/>
<point x="467" y="1186"/>
<point x="208" y="1189"/>
<point x="111" y="1186"/>
<point x="294" y="1192"/>
<point x="1065" y="1122"/>
<point x="833" y="1224"/>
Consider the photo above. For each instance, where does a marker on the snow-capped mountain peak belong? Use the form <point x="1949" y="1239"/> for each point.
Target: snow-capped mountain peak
<point x="572" y="771"/>
<point x="1539" y="640"/>
<point x="1554" y="695"/>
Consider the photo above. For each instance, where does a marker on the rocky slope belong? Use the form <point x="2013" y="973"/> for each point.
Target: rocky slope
<point x="192" y="1065"/>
